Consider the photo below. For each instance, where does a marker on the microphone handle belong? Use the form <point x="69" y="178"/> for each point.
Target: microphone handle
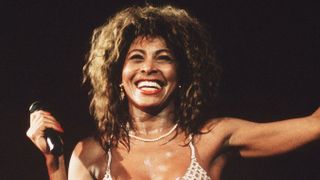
<point x="54" y="141"/>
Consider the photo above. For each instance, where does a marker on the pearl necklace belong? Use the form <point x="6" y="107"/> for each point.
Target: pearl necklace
<point x="154" y="139"/>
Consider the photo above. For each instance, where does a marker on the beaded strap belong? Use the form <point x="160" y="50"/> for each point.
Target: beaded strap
<point x="107" y="176"/>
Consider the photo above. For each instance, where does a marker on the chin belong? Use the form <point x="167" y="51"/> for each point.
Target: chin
<point x="150" y="106"/>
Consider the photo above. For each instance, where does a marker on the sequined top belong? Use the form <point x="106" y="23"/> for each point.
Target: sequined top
<point x="194" y="171"/>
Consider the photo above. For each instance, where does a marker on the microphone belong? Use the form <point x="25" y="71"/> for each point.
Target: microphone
<point x="51" y="136"/>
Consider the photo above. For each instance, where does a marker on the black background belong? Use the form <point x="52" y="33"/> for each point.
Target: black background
<point x="269" y="52"/>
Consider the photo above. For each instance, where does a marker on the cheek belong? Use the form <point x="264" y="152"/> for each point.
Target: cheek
<point x="172" y="77"/>
<point x="171" y="74"/>
<point x="126" y="73"/>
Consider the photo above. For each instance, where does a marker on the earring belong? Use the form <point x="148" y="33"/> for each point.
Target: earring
<point x="179" y="86"/>
<point x="122" y="94"/>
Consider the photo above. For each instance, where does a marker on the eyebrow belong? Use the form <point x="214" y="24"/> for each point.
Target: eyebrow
<point x="164" y="50"/>
<point x="156" y="52"/>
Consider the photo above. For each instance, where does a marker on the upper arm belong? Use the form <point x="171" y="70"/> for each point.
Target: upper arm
<point x="253" y="139"/>
<point x="244" y="135"/>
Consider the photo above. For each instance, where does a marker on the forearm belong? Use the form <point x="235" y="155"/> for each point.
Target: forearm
<point x="254" y="139"/>
<point x="56" y="167"/>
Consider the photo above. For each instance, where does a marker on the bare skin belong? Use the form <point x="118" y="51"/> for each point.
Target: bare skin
<point x="171" y="160"/>
<point x="151" y="108"/>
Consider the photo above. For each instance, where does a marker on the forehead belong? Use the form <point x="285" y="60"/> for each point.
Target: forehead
<point x="144" y="42"/>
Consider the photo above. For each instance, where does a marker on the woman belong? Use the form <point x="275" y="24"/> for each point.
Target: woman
<point x="152" y="72"/>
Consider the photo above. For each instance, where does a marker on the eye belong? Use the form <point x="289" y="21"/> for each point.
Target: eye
<point x="165" y="58"/>
<point x="136" y="57"/>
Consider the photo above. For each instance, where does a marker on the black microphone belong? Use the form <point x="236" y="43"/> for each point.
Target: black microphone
<point x="51" y="136"/>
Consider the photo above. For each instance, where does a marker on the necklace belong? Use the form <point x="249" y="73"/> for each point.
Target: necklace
<point x="154" y="139"/>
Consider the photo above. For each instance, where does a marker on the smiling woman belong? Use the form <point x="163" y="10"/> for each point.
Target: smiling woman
<point x="152" y="71"/>
<point x="149" y="75"/>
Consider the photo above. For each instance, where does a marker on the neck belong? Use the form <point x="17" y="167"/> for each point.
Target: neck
<point x="152" y="124"/>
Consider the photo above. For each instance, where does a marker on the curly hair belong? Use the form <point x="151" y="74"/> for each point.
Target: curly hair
<point x="191" y="45"/>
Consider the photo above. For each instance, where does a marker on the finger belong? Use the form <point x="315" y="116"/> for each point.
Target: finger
<point x="34" y="133"/>
<point x="54" y="125"/>
<point x="37" y="137"/>
<point x="43" y="121"/>
<point x="38" y="113"/>
<point x="39" y="116"/>
<point x="43" y="112"/>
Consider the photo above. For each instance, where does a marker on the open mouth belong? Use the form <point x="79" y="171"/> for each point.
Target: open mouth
<point x="149" y="86"/>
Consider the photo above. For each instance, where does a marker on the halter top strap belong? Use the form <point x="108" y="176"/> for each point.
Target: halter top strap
<point x="193" y="151"/>
<point x="107" y="175"/>
<point x="109" y="159"/>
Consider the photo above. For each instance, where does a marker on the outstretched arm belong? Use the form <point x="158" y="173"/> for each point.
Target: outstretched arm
<point x="265" y="139"/>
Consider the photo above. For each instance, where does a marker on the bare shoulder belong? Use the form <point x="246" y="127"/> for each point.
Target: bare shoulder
<point x="212" y="130"/>
<point x="87" y="146"/>
<point x="211" y="138"/>
<point x="88" y="160"/>
<point x="212" y="124"/>
<point x="88" y="151"/>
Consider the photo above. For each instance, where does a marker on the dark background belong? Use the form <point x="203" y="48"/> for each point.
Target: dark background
<point x="269" y="52"/>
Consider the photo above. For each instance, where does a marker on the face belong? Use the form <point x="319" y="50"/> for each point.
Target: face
<point x="149" y="74"/>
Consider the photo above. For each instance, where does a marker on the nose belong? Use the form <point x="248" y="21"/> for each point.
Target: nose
<point x="149" y="67"/>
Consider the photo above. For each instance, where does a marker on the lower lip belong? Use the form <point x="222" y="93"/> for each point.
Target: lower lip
<point x="150" y="92"/>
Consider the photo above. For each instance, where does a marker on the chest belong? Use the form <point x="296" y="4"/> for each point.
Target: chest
<point x="153" y="162"/>
<point x="156" y="162"/>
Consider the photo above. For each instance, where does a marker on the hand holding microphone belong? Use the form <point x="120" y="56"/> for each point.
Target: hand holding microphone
<point x="44" y="130"/>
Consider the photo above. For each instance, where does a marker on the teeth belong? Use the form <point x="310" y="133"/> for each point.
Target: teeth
<point x="152" y="84"/>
